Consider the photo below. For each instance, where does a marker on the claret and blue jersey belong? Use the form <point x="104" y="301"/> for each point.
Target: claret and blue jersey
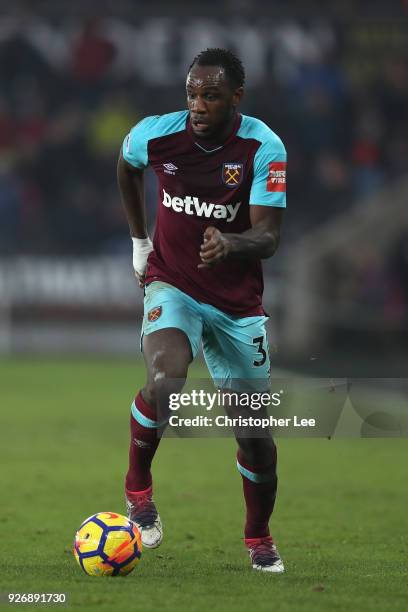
<point x="203" y="183"/>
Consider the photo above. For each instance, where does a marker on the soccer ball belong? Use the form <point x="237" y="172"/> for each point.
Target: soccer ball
<point x="107" y="544"/>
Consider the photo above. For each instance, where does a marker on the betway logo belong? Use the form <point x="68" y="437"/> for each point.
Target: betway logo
<point x="191" y="205"/>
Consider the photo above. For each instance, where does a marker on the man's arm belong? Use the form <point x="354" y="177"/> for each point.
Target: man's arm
<point x="259" y="242"/>
<point x="131" y="188"/>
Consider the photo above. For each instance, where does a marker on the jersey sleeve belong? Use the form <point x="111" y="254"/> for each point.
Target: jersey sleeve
<point x="134" y="148"/>
<point x="269" y="182"/>
<point x="136" y="144"/>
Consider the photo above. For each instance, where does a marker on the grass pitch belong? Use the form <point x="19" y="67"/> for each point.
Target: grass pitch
<point x="340" y="519"/>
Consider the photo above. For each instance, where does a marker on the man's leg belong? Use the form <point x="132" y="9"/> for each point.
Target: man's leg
<point x="256" y="461"/>
<point x="237" y="355"/>
<point x="167" y="354"/>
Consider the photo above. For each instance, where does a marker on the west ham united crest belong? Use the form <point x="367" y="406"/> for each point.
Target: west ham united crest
<point x="232" y="174"/>
<point x="154" y="314"/>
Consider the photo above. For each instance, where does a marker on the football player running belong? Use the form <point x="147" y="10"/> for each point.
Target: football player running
<point x="222" y="185"/>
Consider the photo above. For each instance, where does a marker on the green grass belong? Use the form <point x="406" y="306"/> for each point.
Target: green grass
<point x="339" y="521"/>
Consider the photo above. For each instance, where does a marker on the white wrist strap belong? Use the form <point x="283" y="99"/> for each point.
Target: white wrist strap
<point x="141" y="249"/>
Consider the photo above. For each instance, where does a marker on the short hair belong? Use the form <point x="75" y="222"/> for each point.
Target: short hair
<point x="234" y="70"/>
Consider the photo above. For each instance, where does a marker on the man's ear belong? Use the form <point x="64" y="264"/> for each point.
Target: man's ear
<point x="237" y="96"/>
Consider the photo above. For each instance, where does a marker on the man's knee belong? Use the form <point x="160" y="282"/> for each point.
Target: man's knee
<point x="167" y="354"/>
<point x="160" y="386"/>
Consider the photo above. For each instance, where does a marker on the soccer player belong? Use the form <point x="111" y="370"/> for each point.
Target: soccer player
<point x="221" y="181"/>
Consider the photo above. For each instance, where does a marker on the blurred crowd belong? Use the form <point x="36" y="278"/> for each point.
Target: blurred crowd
<point x="71" y="91"/>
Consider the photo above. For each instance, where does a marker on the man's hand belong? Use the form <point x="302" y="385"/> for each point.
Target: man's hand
<point x="141" y="279"/>
<point x="141" y="249"/>
<point x="215" y="247"/>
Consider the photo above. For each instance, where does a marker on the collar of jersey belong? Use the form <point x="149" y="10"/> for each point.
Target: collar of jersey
<point x="210" y="146"/>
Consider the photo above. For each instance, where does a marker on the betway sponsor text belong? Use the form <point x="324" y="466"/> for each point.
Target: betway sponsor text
<point x="191" y="205"/>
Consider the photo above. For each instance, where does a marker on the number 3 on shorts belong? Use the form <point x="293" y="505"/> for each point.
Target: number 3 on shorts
<point x="259" y="341"/>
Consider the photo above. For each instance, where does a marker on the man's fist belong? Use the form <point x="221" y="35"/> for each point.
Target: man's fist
<point x="215" y="247"/>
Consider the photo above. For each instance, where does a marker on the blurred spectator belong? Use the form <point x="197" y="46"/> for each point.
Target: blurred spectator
<point x="7" y="128"/>
<point x="10" y="210"/>
<point x="109" y="124"/>
<point x="92" y="55"/>
<point x="366" y="152"/>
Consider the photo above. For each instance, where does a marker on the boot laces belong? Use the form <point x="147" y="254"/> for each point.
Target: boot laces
<point x="143" y="511"/>
<point x="263" y="552"/>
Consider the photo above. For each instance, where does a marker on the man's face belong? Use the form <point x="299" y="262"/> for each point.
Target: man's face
<point x="211" y="100"/>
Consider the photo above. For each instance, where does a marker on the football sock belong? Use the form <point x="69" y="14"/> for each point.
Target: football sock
<point x="144" y="440"/>
<point x="259" y="485"/>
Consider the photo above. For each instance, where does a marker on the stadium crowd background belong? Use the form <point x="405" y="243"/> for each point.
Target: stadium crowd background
<point x="72" y="83"/>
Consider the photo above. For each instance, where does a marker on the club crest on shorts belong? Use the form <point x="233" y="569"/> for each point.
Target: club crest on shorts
<point x="232" y="174"/>
<point x="154" y="314"/>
